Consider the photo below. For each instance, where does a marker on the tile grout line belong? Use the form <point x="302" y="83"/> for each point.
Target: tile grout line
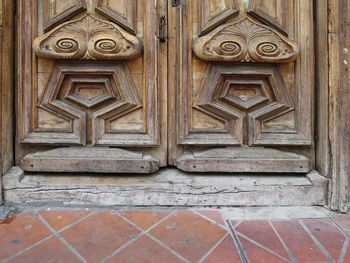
<point x="289" y="252"/>
<point x="262" y="247"/>
<point x="141" y="234"/>
<point x="214" y="247"/>
<point x="155" y="239"/>
<point x="122" y="247"/>
<point x="75" y="222"/>
<point x="47" y="238"/>
<point x="168" y="248"/>
<point x="210" y="220"/>
<point x="316" y="241"/>
<point x="342" y="229"/>
<point x="28" y="248"/>
<point x="238" y="244"/>
<point x="62" y="240"/>
<point x="346" y="246"/>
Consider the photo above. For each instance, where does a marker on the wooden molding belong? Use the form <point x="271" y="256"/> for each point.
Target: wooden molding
<point x="88" y="38"/>
<point x="246" y="40"/>
<point x="55" y="13"/>
<point x="339" y="104"/>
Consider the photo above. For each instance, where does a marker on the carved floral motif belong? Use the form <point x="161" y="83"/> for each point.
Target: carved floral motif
<point x="246" y="40"/>
<point x="88" y="38"/>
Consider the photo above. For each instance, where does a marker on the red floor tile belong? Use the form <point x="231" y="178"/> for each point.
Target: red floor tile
<point x="61" y="219"/>
<point x="257" y="254"/>
<point x="50" y="251"/>
<point x="226" y="252"/>
<point x="343" y="221"/>
<point x="144" y="250"/>
<point x="328" y="235"/>
<point x="99" y="235"/>
<point x="25" y="230"/>
<point x="214" y="215"/>
<point x="144" y="219"/>
<point x="299" y="242"/>
<point x="188" y="234"/>
<point x="262" y="233"/>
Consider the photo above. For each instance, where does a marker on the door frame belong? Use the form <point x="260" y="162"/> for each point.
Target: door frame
<point x="332" y="89"/>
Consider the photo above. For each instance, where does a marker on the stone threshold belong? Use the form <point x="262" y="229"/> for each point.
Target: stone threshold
<point x="168" y="187"/>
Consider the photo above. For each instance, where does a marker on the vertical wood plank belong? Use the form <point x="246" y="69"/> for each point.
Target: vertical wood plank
<point x="7" y="86"/>
<point x="321" y="136"/>
<point x="339" y="104"/>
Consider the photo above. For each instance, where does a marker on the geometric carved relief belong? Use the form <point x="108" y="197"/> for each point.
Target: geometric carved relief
<point x="261" y="10"/>
<point x="246" y="40"/>
<point x="122" y="12"/>
<point x="88" y="38"/>
<point x="215" y="12"/>
<point x="86" y="93"/>
<point x="58" y="11"/>
<point x="244" y="96"/>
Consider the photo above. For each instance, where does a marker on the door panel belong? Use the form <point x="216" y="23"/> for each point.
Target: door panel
<point x="89" y="76"/>
<point x="244" y="90"/>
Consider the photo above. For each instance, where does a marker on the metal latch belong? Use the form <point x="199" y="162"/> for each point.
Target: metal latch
<point x="176" y="3"/>
<point x="162" y="29"/>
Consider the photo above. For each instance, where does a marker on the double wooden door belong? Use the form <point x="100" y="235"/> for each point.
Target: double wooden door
<point x="119" y="86"/>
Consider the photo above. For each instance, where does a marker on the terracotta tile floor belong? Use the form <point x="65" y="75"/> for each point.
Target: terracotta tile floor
<point x="169" y="236"/>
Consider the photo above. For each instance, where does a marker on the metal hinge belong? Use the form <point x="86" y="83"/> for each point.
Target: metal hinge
<point x="176" y="3"/>
<point x="162" y="29"/>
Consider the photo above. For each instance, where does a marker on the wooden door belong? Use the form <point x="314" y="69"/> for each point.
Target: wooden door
<point x="242" y="91"/>
<point x="90" y="86"/>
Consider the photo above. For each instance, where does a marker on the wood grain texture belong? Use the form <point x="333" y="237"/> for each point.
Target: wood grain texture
<point x="339" y="104"/>
<point x="123" y="12"/>
<point x="323" y="157"/>
<point x="168" y="187"/>
<point x="97" y="160"/>
<point x="90" y="101"/>
<point x="88" y="38"/>
<point x="6" y="87"/>
<point x="246" y="40"/>
<point x="57" y="11"/>
<point x="247" y="160"/>
<point x="221" y="100"/>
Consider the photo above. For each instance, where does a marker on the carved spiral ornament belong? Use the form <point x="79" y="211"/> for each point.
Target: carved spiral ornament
<point x="88" y="38"/>
<point x="246" y="41"/>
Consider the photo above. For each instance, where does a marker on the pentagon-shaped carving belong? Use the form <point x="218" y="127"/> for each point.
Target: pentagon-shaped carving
<point x="79" y="92"/>
<point x="90" y="91"/>
<point x="88" y="38"/>
<point x="246" y="40"/>
<point x="244" y="96"/>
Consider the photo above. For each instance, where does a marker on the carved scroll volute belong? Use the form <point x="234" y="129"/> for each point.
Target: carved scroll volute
<point x="88" y="38"/>
<point x="246" y="40"/>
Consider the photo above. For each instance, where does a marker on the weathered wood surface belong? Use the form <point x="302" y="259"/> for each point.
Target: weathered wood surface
<point x="168" y="187"/>
<point x="323" y="160"/>
<point x="6" y="86"/>
<point x="112" y="93"/>
<point x="244" y="160"/>
<point x="339" y="103"/>
<point x="244" y="77"/>
<point x="90" y="160"/>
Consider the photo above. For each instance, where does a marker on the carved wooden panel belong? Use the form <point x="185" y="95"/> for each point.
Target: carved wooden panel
<point x="58" y="11"/>
<point x="87" y="74"/>
<point x="246" y="80"/>
<point x="123" y="12"/>
<point x="216" y="12"/>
